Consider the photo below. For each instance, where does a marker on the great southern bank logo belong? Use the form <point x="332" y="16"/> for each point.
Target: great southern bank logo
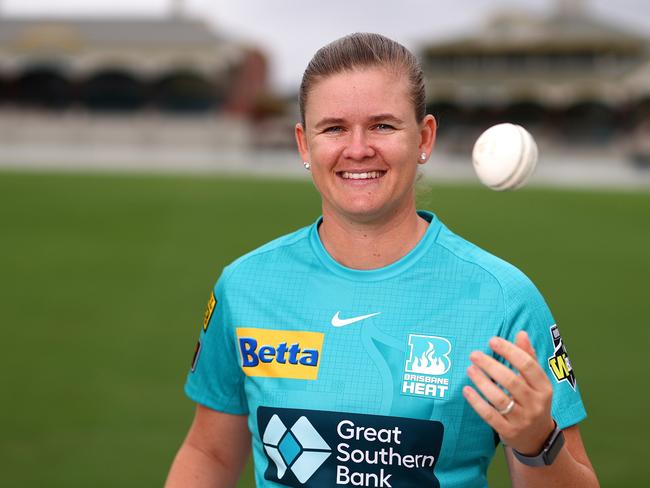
<point x="326" y="449"/>
<point x="428" y="363"/>
<point x="300" y="448"/>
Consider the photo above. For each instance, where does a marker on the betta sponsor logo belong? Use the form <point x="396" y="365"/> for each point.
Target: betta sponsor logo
<point x="280" y="353"/>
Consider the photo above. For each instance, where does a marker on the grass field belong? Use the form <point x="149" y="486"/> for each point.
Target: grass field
<point x="104" y="281"/>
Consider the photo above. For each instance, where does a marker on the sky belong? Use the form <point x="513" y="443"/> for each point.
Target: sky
<point x="290" y="31"/>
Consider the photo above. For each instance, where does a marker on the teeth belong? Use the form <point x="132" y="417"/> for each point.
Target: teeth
<point x="370" y="175"/>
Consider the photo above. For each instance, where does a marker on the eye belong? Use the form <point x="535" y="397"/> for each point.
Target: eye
<point x="333" y="129"/>
<point x="384" y="127"/>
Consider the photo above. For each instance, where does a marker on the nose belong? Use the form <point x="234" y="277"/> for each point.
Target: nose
<point x="358" y="146"/>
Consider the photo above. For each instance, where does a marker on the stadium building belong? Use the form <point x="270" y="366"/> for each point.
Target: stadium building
<point x="124" y="89"/>
<point x="173" y="64"/>
<point x="570" y="77"/>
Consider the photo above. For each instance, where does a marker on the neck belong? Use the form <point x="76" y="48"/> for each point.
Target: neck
<point x="371" y="245"/>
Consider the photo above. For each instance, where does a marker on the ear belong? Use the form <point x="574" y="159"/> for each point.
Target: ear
<point x="301" y="141"/>
<point x="428" y="129"/>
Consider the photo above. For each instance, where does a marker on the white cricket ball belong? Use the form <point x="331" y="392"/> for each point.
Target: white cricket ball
<point x="504" y="156"/>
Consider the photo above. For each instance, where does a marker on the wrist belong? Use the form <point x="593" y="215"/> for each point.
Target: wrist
<point x="549" y="451"/>
<point x="536" y="445"/>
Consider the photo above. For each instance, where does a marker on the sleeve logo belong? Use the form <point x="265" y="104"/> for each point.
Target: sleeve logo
<point x="559" y="362"/>
<point x="195" y="358"/>
<point x="212" y="303"/>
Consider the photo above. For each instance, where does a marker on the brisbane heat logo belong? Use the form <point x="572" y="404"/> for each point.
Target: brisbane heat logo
<point x="428" y="362"/>
<point x="559" y="362"/>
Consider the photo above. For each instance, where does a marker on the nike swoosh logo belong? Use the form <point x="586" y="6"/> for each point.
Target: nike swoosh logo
<point x="339" y="322"/>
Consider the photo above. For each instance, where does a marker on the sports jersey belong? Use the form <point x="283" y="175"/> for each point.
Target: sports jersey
<point x="354" y="377"/>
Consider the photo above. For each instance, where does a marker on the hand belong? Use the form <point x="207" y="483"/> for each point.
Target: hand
<point x="527" y="426"/>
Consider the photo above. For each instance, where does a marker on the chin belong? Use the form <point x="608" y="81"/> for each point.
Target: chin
<point x="366" y="213"/>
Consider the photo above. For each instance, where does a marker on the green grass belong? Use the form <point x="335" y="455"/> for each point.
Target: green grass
<point x="105" y="278"/>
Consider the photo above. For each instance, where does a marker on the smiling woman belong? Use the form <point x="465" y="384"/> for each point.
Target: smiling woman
<point x="364" y="143"/>
<point x="397" y="315"/>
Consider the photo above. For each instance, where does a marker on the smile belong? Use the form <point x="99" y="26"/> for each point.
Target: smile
<point x="368" y="175"/>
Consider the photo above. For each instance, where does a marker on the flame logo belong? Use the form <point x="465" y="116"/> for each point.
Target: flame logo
<point x="433" y="358"/>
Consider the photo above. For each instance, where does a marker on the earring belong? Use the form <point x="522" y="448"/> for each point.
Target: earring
<point x="306" y="165"/>
<point x="423" y="156"/>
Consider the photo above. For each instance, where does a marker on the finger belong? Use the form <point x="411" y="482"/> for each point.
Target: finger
<point x="523" y="341"/>
<point x="495" y="395"/>
<point x="503" y="375"/>
<point x="485" y="410"/>
<point x="520" y="360"/>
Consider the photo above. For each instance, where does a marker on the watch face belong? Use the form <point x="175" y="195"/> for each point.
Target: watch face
<point x="549" y="453"/>
<point x="553" y="449"/>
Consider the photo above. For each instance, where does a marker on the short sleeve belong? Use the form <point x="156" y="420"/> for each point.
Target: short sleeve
<point x="215" y="379"/>
<point x="527" y="310"/>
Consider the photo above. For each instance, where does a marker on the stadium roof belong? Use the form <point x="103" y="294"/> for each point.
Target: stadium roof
<point x="109" y="31"/>
<point x="559" y="59"/>
<point x="561" y="31"/>
<point x="147" y="47"/>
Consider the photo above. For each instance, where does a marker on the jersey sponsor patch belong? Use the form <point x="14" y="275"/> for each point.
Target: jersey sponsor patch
<point x="427" y="370"/>
<point x="212" y="303"/>
<point x="195" y="358"/>
<point x="280" y="353"/>
<point x="559" y="362"/>
<point x="321" y="449"/>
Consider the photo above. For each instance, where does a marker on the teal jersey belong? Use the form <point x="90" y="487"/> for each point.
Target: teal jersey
<point x="354" y="378"/>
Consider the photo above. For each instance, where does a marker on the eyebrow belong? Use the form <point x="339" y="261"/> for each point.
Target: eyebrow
<point x="386" y="117"/>
<point x="328" y="121"/>
<point x="374" y="118"/>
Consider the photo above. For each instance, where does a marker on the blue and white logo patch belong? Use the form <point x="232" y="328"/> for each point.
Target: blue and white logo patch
<point x="300" y="448"/>
<point x="325" y="449"/>
<point x="427" y="369"/>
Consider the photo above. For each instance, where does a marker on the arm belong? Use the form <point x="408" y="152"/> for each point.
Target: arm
<point x="522" y="418"/>
<point x="214" y="452"/>
<point x="571" y="467"/>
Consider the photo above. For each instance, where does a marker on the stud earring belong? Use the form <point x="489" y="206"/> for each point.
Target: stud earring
<point x="306" y="165"/>
<point x="423" y="156"/>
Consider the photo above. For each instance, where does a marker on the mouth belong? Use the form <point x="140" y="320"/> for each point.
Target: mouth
<point x="361" y="175"/>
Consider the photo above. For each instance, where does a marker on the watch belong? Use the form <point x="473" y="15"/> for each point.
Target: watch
<point x="549" y="452"/>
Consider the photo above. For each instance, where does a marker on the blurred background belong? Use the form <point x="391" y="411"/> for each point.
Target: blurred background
<point x="144" y="145"/>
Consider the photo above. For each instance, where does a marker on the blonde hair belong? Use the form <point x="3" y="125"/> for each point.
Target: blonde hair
<point x="364" y="50"/>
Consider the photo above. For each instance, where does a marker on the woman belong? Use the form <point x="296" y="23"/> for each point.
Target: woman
<point x="371" y="348"/>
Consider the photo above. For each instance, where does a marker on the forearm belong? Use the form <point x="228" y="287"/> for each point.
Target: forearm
<point x="565" y="471"/>
<point x="194" y="468"/>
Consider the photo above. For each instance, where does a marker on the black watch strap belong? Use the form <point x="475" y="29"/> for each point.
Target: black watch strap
<point x="551" y="449"/>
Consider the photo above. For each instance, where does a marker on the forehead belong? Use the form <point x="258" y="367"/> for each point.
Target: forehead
<point x="357" y="93"/>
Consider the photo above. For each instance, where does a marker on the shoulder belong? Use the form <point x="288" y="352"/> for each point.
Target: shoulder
<point x="277" y="253"/>
<point x="484" y="266"/>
